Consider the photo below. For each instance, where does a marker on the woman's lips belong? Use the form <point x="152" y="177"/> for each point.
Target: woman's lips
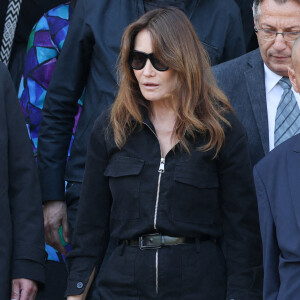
<point x="150" y="85"/>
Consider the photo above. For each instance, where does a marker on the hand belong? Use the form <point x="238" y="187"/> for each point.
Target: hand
<point x="23" y="289"/>
<point x="55" y="215"/>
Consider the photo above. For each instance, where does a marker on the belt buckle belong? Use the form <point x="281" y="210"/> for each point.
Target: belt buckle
<point x="144" y="247"/>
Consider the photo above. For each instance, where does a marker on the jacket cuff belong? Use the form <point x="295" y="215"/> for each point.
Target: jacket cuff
<point x="24" y="268"/>
<point x="52" y="185"/>
<point x="75" y="287"/>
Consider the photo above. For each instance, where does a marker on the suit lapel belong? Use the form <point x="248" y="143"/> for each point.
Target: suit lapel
<point x="293" y="167"/>
<point x="255" y="81"/>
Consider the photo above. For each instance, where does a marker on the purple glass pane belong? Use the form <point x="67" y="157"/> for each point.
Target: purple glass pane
<point x="31" y="61"/>
<point x="44" y="72"/>
<point x="42" y="39"/>
<point x="60" y="36"/>
<point x="56" y="24"/>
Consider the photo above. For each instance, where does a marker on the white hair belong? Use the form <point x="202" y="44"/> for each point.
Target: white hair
<point x="256" y="8"/>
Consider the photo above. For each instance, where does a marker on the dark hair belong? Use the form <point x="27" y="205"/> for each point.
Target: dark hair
<point x="201" y="104"/>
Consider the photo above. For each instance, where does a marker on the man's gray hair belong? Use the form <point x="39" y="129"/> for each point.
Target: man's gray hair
<point x="257" y="7"/>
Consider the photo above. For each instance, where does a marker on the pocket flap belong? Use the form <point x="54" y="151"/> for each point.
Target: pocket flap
<point x="124" y="166"/>
<point x="200" y="178"/>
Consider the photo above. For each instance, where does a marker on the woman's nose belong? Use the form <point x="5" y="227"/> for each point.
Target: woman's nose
<point x="149" y="69"/>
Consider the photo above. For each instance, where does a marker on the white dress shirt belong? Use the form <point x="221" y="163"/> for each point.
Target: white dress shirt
<point x="273" y="96"/>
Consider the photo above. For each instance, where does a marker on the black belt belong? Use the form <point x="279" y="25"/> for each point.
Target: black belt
<point x="156" y="240"/>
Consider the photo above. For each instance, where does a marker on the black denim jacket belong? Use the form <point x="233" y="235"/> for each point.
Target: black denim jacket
<point x="132" y="192"/>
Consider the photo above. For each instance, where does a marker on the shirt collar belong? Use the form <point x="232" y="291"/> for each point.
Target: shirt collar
<point x="271" y="79"/>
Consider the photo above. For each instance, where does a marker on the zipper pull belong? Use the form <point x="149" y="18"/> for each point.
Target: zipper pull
<point x="162" y="166"/>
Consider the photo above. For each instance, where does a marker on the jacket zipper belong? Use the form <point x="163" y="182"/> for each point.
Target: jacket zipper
<point x="161" y="170"/>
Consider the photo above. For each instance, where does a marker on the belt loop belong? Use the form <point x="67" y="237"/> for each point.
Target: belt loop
<point x="197" y="244"/>
<point x="122" y="248"/>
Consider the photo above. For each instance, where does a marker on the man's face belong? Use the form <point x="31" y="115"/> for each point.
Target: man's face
<point x="281" y="18"/>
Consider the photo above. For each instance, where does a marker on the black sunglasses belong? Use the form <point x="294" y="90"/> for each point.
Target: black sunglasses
<point x="137" y="61"/>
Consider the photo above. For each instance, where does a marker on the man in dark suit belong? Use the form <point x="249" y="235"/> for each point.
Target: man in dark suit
<point x="277" y="180"/>
<point x="22" y="254"/>
<point x="251" y="81"/>
<point x="277" y="184"/>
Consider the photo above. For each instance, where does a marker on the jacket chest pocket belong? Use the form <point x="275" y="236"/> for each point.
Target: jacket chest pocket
<point x="195" y="195"/>
<point x="124" y="182"/>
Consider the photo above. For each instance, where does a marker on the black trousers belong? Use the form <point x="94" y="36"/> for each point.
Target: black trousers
<point x="56" y="282"/>
<point x="183" y="272"/>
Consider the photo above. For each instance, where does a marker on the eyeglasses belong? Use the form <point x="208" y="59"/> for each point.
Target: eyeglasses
<point x="270" y="35"/>
<point x="138" y="59"/>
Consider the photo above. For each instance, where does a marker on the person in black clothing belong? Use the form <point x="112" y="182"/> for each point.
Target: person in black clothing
<point x="22" y="255"/>
<point x="88" y="60"/>
<point x="168" y="175"/>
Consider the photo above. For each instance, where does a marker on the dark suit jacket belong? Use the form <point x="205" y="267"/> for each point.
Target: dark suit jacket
<point x="277" y="180"/>
<point x="243" y="82"/>
<point x="21" y="221"/>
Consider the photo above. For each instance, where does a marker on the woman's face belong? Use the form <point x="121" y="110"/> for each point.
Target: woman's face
<point x="155" y="85"/>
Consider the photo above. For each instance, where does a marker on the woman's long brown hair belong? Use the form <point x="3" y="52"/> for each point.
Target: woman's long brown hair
<point x="199" y="105"/>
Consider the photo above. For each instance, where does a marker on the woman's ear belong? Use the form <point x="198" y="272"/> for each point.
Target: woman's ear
<point x="292" y="77"/>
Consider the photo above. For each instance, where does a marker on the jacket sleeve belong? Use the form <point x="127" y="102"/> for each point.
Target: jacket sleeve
<point x="61" y="105"/>
<point x="24" y="194"/>
<point x="91" y="234"/>
<point x="31" y="93"/>
<point x="241" y="242"/>
<point x="271" y="251"/>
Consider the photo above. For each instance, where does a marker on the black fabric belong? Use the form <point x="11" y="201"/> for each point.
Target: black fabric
<point x="153" y="4"/>
<point x="198" y="195"/>
<point x="72" y="199"/>
<point x="88" y="59"/>
<point x="248" y="23"/>
<point x="22" y="253"/>
<point x="55" y="283"/>
<point x="182" y="274"/>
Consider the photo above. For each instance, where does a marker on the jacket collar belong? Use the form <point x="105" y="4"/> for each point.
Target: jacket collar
<point x="255" y="82"/>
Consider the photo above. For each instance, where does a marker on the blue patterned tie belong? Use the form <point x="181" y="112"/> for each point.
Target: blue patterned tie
<point x="287" y="122"/>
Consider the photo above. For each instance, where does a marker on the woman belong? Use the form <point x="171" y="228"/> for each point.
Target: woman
<point x="168" y="175"/>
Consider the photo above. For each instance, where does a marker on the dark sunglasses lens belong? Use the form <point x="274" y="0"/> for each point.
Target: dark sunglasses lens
<point x="138" y="60"/>
<point x="158" y="65"/>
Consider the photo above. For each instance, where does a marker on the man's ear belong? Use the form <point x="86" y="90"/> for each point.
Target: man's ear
<point x="292" y="78"/>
